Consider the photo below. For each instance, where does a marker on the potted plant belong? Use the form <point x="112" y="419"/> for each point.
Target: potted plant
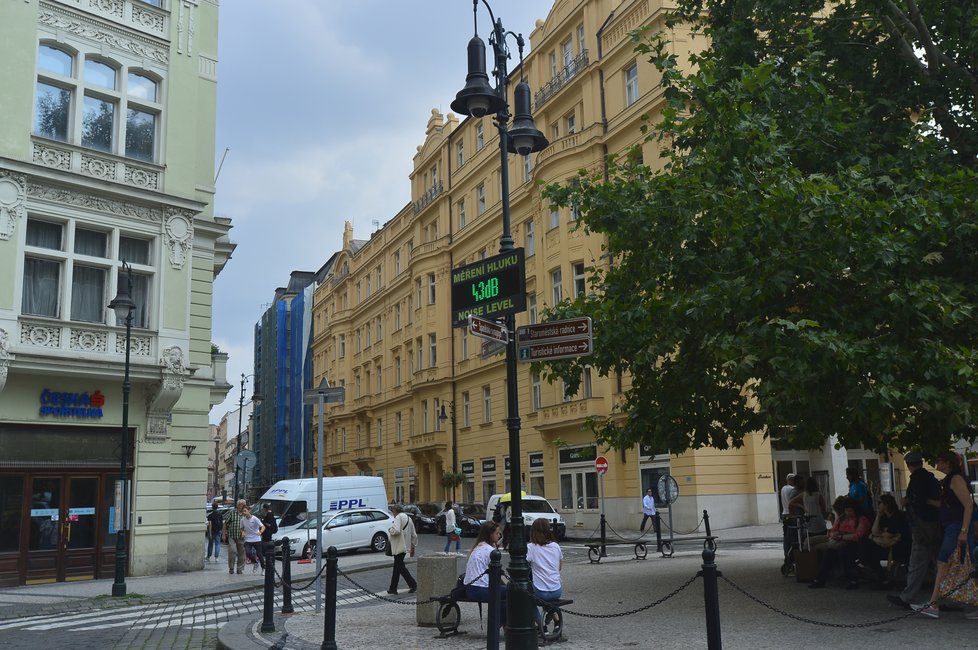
<point x="450" y="479"/>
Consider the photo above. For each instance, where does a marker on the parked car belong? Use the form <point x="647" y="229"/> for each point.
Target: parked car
<point x="423" y="515"/>
<point x="348" y="530"/>
<point x="468" y="516"/>
<point x="535" y="507"/>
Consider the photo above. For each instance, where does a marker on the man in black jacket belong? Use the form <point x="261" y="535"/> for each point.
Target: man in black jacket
<point x="926" y="531"/>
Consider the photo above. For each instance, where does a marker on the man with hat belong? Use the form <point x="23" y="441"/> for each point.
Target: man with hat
<point x="922" y="491"/>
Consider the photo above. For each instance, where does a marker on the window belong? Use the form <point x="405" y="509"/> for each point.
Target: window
<point x="631" y="84"/>
<point x="417" y="345"/>
<point x="579" y="490"/>
<point x="436" y="411"/>
<point x="461" y="214"/>
<point x="557" y="287"/>
<point x="380" y="328"/>
<point x="424" y="416"/>
<point x="417" y="289"/>
<point x="527" y="167"/>
<point x="586" y="384"/>
<point x="342" y="346"/>
<point x="368" y="286"/>
<point x="536" y="393"/>
<point x="567" y="51"/>
<point x="359" y="340"/>
<point x="580" y="39"/>
<point x="486" y="404"/>
<point x="397" y="371"/>
<point x="397" y="317"/>
<point x="380" y="379"/>
<point x="465" y="344"/>
<point x="571" y="121"/>
<point x="554" y="132"/>
<point x="579" y="282"/>
<point x="397" y="262"/>
<point x="553" y="65"/>
<point x="431" y="288"/>
<point x="94" y="96"/>
<point x="531" y="307"/>
<point x="466" y="410"/>
<point x="434" y="176"/>
<point x="554" y="216"/>
<point x="480" y="193"/>
<point x="398" y="427"/>
<point x="356" y="381"/>
<point x="531" y="239"/>
<point x="480" y="136"/>
<point x="432" y="351"/>
<point x="73" y="265"/>
<point x="460" y="153"/>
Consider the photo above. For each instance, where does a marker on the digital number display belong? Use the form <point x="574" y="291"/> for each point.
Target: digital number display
<point x="489" y="288"/>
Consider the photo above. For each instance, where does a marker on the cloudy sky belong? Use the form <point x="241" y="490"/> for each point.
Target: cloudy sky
<point x="321" y="104"/>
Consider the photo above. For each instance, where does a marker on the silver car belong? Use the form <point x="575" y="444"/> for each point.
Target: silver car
<point x="347" y="530"/>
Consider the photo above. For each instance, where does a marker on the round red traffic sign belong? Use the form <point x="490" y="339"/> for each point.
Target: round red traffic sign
<point x="601" y="465"/>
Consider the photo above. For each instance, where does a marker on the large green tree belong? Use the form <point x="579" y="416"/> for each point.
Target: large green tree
<point x="806" y="261"/>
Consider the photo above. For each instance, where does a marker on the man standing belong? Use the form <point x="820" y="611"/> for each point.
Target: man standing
<point x="234" y="537"/>
<point x="649" y="512"/>
<point x="402" y="538"/>
<point x="925" y="536"/>
<point x="859" y="491"/>
<point x="215" y="526"/>
<point x="788" y="492"/>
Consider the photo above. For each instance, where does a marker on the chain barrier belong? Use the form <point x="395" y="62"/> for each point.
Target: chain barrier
<point x="812" y="621"/>
<point x="433" y="599"/>
<point x="678" y="532"/>
<point x="545" y="603"/>
<point x="281" y="580"/>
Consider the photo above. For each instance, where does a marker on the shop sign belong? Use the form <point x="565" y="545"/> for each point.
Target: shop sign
<point x="536" y="461"/>
<point x="506" y="464"/>
<point x="468" y="467"/>
<point x="489" y="466"/>
<point x="76" y="405"/>
<point x="584" y="454"/>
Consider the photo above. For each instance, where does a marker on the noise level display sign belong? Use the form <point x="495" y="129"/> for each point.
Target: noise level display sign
<point x="489" y="288"/>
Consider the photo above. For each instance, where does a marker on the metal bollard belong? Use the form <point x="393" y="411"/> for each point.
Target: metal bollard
<point x="286" y="577"/>
<point x="268" y="619"/>
<point x="706" y="522"/>
<point x="495" y="584"/>
<point x="329" y="619"/>
<point x="604" y="549"/>
<point x="711" y="595"/>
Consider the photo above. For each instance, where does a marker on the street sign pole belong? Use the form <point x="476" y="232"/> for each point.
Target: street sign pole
<point x="601" y="467"/>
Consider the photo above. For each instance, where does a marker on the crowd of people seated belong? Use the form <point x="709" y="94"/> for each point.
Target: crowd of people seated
<point x="860" y="542"/>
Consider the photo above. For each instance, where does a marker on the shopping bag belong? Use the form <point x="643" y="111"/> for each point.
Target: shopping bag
<point x="958" y="584"/>
<point x="387" y="550"/>
<point x="806" y="565"/>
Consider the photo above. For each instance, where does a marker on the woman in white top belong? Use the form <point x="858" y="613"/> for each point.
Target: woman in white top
<point x="814" y="504"/>
<point x="476" y="578"/>
<point x="546" y="560"/>
<point x="450" y="524"/>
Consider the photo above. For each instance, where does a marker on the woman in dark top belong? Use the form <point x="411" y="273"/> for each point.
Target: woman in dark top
<point x="956" y="509"/>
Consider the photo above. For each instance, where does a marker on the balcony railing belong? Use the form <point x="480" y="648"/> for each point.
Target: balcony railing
<point x="561" y="79"/>
<point x="428" y="197"/>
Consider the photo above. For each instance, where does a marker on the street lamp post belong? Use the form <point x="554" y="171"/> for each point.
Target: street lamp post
<point x="478" y="99"/>
<point x="237" y="445"/>
<point x="123" y="306"/>
<point x="442" y="417"/>
<point x="217" y="457"/>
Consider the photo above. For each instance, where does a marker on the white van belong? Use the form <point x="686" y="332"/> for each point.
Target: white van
<point x="292" y="500"/>
<point x="534" y="507"/>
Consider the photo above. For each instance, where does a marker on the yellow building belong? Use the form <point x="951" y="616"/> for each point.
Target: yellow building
<point x="382" y="319"/>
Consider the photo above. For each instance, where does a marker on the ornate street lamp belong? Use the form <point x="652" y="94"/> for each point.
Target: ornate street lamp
<point x="123" y="306"/>
<point x="478" y="99"/>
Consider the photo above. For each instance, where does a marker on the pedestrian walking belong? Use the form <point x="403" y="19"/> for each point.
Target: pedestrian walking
<point x="252" y="529"/>
<point x="234" y="537"/>
<point x="215" y="530"/>
<point x="268" y="520"/>
<point x="403" y="539"/>
<point x="450" y="528"/>
<point x="923" y="495"/>
<point x="649" y="512"/>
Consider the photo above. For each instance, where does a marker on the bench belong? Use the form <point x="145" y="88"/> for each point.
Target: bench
<point x="640" y="549"/>
<point x="449" y="616"/>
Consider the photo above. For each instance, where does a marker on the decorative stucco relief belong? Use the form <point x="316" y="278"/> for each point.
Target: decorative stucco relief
<point x="179" y="231"/>
<point x="186" y="26"/>
<point x="13" y="202"/>
<point x="5" y="356"/>
<point x="94" y="202"/>
<point x="160" y="400"/>
<point x="93" y="31"/>
<point x="39" y="335"/>
<point x="140" y="177"/>
<point x="88" y="340"/>
<point x="52" y="156"/>
<point x="139" y="346"/>
<point x="97" y="167"/>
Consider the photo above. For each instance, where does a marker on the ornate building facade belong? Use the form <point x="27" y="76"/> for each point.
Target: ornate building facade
<point x="106" y="179"/>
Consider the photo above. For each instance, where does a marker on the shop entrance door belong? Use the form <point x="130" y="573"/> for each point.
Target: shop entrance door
<point x="62" y="539"/>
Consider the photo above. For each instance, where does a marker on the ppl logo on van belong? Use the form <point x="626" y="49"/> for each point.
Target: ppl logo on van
<point x="279" y="493"/>
<point x="345" y="504"/>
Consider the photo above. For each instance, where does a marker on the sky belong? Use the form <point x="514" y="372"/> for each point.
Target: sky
<point x="321" y="107"/>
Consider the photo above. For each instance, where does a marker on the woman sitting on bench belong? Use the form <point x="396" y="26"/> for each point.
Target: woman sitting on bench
<point x="476" y="577"/>
<point x="546" y="560"/>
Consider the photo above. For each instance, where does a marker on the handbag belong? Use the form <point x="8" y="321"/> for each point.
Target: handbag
<point x="957" y="579"/>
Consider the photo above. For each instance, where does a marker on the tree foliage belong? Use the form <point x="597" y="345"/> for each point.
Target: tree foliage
<point x="806" y="262"/>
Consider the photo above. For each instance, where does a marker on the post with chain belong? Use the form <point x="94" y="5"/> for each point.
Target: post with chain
<point x="286" y="576"/>
<point x="604" y="549"/>
<point x="268" y="618"/>
<point x="329" y="619"/>
<point x="495" y="584"/>
<point x="711" y="594"/>
<point x="706" y="523"/>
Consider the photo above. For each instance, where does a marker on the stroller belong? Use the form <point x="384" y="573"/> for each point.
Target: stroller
<point x="800" y="560"/>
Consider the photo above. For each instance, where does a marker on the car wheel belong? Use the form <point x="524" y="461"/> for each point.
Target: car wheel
<point x="309" y="550"/>
<point x="378" y="543"/>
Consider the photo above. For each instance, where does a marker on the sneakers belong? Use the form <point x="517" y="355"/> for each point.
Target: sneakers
<point x="896" y="600"/>
<point x="392" y="593"/>
<point x="413" y="589"/>
<point x="231" y="572"/>
<point x="926" y="610"/>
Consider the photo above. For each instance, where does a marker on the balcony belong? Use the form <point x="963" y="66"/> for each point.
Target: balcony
<point x="561" y="79"/>
<point x="428" y="197"/>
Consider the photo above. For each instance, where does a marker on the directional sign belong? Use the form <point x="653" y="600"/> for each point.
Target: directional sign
<point x="556" y="350"/>
<point x="488" y="329"/>
<point x="330" y="395"/>
<point x="601" y="465"/>
<point x="557" y="329"/>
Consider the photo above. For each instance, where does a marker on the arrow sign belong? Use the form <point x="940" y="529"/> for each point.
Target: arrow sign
<point x="488" y="329"/>
<point x="556" y="350"/>
<point x="558" y="329"/>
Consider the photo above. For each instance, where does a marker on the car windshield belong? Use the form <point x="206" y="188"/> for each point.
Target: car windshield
<point x="474" y="510"/>
<point x="537" y="505"/>
<point x="429" y="509"/>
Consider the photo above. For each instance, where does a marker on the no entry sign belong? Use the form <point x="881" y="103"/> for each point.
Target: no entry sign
<point x="601" y="465"/>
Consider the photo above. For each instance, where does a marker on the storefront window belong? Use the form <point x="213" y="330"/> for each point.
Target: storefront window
<point x="11" y="505"/>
